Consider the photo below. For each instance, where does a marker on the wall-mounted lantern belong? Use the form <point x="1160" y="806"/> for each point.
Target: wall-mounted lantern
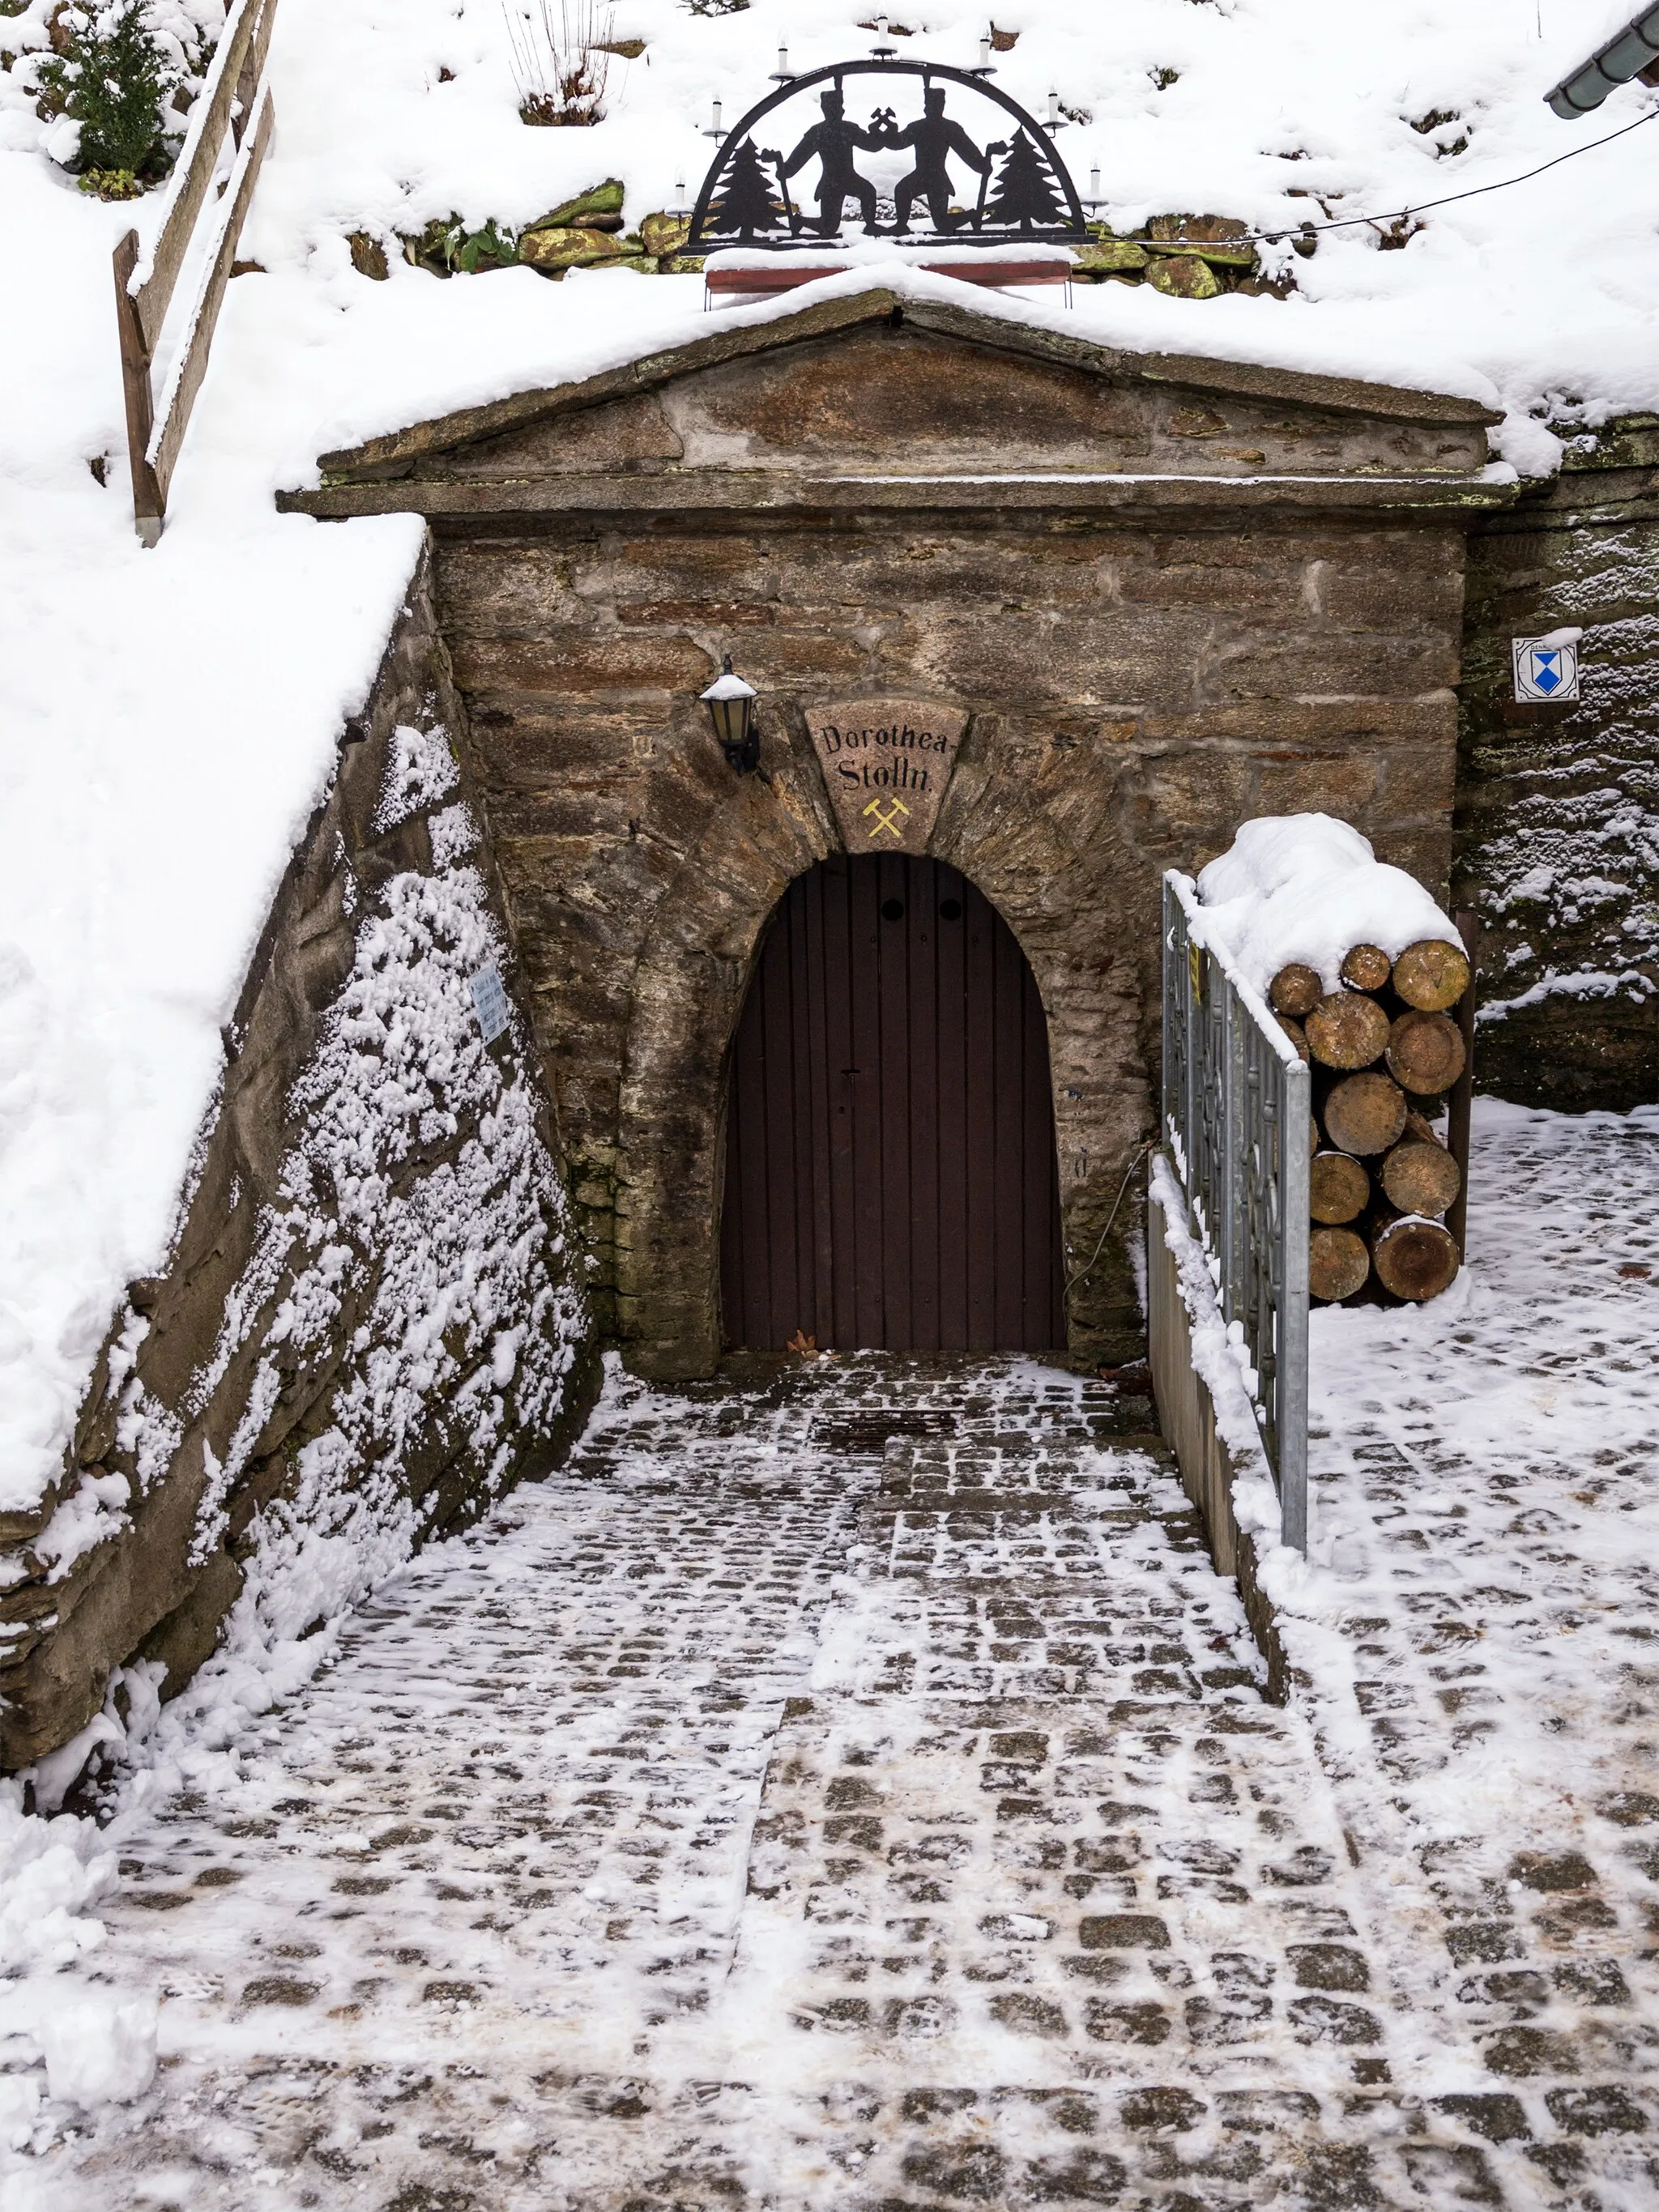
<point x="731" y="704"/>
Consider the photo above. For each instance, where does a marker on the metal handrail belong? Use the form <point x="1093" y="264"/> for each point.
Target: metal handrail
<point x="1236" y="1115"/>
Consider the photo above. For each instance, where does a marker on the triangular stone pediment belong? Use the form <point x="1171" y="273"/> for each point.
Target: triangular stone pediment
<point x="884" y="389"/>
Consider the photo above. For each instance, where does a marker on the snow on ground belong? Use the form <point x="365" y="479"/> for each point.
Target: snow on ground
<point x="1475" y="1620"/>
<point x="1042" y="1901"/>
<point x="166" y="720"/>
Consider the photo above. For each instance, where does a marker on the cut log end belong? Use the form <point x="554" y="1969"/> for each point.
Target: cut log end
<point x="1337" y="1263"/>
<point x="1420" y="1178"/>
<point x="1365" y="1114"/>
<point x="1338" y="1188"/>
<point x="1432" y="974"/>
<point x="1347" y="1029"/>
<point x="1297" y="1036"/>
<point x="1296" y="990"/>
<point x="1425" y="1053"/>
<point x="1366" y="967"/>
<point x="1415" y="1260"/>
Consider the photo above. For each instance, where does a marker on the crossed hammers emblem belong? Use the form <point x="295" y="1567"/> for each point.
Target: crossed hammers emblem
<point x="888" y="813"/>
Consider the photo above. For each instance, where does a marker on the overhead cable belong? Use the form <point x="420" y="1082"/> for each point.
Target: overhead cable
<point x="1404" y="215"/>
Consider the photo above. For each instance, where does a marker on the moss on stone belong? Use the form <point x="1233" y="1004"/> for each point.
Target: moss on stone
<point x="598" y="199"/>
<point x="553" y="249"/>
<point x="1104" y="257"/>
<point x="662" y="234"/>
<point x="1183" y="276"/>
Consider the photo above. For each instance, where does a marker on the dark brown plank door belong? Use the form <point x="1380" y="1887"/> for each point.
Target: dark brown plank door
<point x="891" y="1178"/>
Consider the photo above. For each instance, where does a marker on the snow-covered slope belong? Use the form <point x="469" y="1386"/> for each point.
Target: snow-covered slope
<point x="166" y="720"/>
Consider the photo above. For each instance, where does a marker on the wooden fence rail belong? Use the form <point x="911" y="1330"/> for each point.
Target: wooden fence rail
<point x="233" y="100"/>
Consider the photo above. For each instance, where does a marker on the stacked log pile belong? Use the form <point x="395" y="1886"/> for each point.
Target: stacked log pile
<point x="1384" y="1050"/>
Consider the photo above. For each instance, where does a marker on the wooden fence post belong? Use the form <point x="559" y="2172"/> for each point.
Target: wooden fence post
<point x="147" y="504"/>
<point x="230" y="102"/>
<point x="185" y="379"/>
<point x="247" y="87"/>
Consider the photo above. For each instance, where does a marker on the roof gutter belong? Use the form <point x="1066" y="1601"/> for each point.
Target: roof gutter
<point x="1634" y="52"/>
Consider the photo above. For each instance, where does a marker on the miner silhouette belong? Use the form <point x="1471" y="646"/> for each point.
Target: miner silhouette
<point x="834" y="142"/>
<point x="933" y="138"/>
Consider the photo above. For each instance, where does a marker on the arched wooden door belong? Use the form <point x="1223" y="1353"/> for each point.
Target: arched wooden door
<point x="891" y="1177"/>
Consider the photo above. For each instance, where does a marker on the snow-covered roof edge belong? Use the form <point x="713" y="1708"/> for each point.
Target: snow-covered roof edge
<point x="848" y="299"/>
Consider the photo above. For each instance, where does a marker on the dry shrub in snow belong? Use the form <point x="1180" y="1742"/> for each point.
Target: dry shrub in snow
<point x="561" y="72"/>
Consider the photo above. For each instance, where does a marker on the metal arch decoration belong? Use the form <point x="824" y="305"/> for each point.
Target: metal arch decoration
<point x="1025" y="193"/>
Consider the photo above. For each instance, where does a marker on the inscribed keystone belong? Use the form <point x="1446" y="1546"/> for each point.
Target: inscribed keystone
<point x="886" y="763"/>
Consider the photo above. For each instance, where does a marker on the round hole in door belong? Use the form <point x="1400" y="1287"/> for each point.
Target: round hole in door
<point x="950" y="910"/>
<point x="892" y="909"/>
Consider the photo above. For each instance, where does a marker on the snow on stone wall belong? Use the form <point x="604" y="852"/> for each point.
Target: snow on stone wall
<point x="1558" y="805"/>
<point x="465" y="1332"/>
<point x="371" y="1322"/>
<point x="400" y="1334"/>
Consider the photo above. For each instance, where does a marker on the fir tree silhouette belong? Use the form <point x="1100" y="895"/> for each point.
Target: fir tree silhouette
<point x="745" y="205"/>
<point x="1024" y="192"/>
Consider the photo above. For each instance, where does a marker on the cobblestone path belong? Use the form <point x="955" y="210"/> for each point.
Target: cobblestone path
<point x="1477" y="1652"/>
<point x="852" y="1790"/>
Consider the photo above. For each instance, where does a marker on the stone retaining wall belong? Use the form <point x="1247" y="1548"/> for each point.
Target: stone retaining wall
<point x="1558" y="807"/>
<point x="372" y="1320"/>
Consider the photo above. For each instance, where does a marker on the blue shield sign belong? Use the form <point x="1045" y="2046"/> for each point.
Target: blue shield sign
<point x="1546" y="668"/>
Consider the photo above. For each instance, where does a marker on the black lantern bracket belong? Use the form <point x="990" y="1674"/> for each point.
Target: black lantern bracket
<point x="731" y="704"/>
<point x="897" y="175"/>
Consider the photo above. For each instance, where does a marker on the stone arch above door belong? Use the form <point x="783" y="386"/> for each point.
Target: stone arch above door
<point x="1025" y="839"/>
<point x="693" y="971"/>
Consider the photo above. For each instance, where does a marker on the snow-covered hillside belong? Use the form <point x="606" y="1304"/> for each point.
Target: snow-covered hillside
<point x="168" y="719"/>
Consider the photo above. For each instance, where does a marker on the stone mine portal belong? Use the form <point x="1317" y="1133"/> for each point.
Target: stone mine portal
<point x="1030" y="620"/>
<point x="1070" y="614"/>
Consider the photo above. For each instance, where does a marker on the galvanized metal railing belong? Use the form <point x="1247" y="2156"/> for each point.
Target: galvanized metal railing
<point x="1236" y="1120"/>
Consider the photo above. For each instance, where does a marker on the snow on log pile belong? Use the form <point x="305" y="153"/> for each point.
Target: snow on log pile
<point x="1363" y="972"/>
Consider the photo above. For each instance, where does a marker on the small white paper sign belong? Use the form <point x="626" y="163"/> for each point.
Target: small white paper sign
<point x="490" y="1002"/>
<point x="1546" y="668"/>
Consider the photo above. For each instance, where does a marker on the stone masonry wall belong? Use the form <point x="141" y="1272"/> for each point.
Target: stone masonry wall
<point x="372" y="1321"/>
<point x="1558" y="816"/>
<point x="1161" y="593"/>
<point x="1133" y="694"/>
